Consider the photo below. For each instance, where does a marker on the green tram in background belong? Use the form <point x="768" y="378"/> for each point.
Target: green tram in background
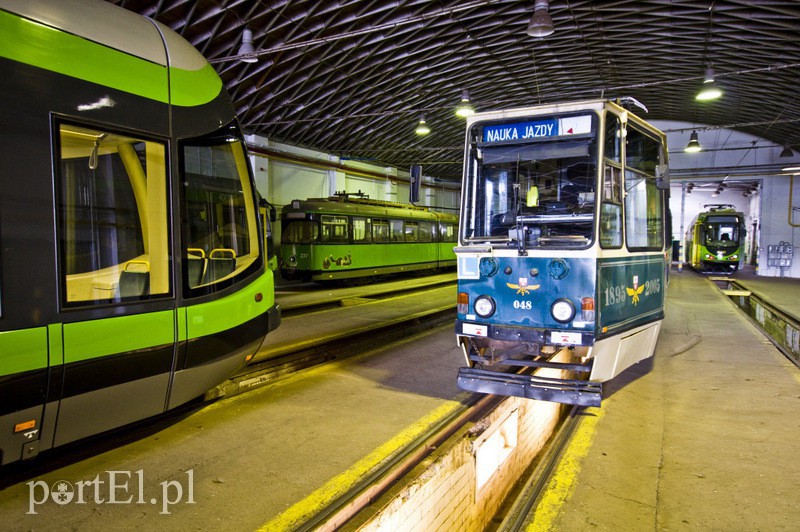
<point x="132" y="259"/>
<point x="715" y="240"/>
<point x="348" y="236"/>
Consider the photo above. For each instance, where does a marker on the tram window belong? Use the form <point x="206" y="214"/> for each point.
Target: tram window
<point x="300" y="232"/>
<point x="611" y="225"/>
<point x="112" y="216"/>
<point x="641" y="151"/>
<point x="396" y="230"/>
<point x="613" y="146"/>
<point x="334" y="228"/>
<point x="222" y="238"/>
<point x="721" y="230"/>
<point x="643" y="214"/>
<point x="612" y="184"/>
<point x="361" y="229"/>
<point x="380" y="231"/>
<point x="611" y="209"/>
<point x="448" y="232"/>
<point x="412" y="231"/>
<point x="425" y="232"/>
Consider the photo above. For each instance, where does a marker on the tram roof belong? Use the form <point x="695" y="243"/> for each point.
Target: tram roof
<point x="352" y="78"/>
<point x="366" y="207"/>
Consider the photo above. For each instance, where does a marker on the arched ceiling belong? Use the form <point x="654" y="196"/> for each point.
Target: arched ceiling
<point x="351" y="77"/>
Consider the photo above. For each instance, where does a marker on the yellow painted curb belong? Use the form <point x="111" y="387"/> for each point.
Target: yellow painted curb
<point x="564" y="479"/>
<point x="338" y="485"/>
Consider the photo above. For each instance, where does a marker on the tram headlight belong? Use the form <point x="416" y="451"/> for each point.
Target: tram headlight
<point x="562" y="310"/>
<point x="484" y="306"/>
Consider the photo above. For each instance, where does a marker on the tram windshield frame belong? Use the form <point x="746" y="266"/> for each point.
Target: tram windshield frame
<point x="534" y="192"/>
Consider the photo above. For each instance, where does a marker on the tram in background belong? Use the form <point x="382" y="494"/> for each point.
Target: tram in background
<point x="132" y="263"/>
<point x="563" y="243"/>
<point x="350" y="236"/>
<point x="715" y="240"/>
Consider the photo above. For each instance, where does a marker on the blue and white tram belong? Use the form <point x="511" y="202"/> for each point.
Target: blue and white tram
<point x="562" y="244"/>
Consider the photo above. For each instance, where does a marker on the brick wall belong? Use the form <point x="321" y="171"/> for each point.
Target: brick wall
<point x="441" y="494"/>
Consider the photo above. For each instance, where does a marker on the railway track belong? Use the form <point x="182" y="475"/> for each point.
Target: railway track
<point x="393" y="471"/>
<point x="782" y="329"/>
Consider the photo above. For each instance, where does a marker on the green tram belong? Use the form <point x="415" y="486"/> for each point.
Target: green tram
<point x="349" y="236"/>
<point x="715" y="240"/>
<point x="132" y="259"/>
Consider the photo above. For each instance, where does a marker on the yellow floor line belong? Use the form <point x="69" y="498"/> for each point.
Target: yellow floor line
<point x="338" y="485"/>
<point x="562" y="484"/>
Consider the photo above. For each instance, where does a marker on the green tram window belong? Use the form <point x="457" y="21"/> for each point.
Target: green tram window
<point x="412" y="231"/>
<point x="334" y="228"/>
<point x="447" y="232"/>
<point x="425" y="232"/>
<point x="113" y="217"/>
<point x="222" y="237"/>
<point x="300" y="232"/>
<point x="380" y="231"/>
<point x="396" y="230"/>
<point x="362" y="230"/>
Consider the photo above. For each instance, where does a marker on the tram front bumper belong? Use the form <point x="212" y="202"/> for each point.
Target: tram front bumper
<point x="567" y="391"/>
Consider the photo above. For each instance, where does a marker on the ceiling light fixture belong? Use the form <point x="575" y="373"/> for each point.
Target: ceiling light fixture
<point x="709" y="91"/>
<point x="541" y="24"/>
<point x="422" y="127"/>
<point x="694" y="144"/>
<point x="246" y="49"/>
<point x="786" y="152"/>
<point x="465" y="109"/>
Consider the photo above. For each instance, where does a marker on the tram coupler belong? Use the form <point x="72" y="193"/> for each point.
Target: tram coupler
<point x="566" y="391"/>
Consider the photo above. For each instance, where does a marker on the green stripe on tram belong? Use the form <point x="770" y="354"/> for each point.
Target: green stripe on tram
<point x="23" y="350"/>
<point x="51" y="49"/>
<point x="97" y="338"/>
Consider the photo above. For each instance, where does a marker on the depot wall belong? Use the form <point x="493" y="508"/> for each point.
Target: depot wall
<point x="298" y="173"/>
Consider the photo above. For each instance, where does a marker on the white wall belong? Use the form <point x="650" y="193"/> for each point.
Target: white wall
<point x="775" y="227"/>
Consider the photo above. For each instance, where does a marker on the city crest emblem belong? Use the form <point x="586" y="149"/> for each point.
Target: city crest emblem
<point x="636" y="291"/>
<point x="523" y="287"/>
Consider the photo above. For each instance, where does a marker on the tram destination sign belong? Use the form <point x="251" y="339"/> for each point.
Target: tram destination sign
<point x="529" y="130"/>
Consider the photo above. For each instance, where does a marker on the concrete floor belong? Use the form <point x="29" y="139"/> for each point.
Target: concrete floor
<point x="702" y="437"/>
<point x="288" y="446"/>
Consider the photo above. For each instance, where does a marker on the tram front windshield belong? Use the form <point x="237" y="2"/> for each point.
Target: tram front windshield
<point x="722" y="231"/>
<point x="535" y="193"/>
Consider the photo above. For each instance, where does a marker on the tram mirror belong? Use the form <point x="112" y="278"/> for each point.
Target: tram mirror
<point x="532" y="198"/>
<point x="662" y="177"/>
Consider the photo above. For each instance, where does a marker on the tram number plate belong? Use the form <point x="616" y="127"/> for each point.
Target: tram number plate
<point x="565" y="338"/>
<point x="474" y="330"/>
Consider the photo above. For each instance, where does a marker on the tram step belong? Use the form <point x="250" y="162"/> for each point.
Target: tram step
<point x="567" y="391"/>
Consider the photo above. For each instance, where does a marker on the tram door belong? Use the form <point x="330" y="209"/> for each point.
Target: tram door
<point x="119" y="319"/>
